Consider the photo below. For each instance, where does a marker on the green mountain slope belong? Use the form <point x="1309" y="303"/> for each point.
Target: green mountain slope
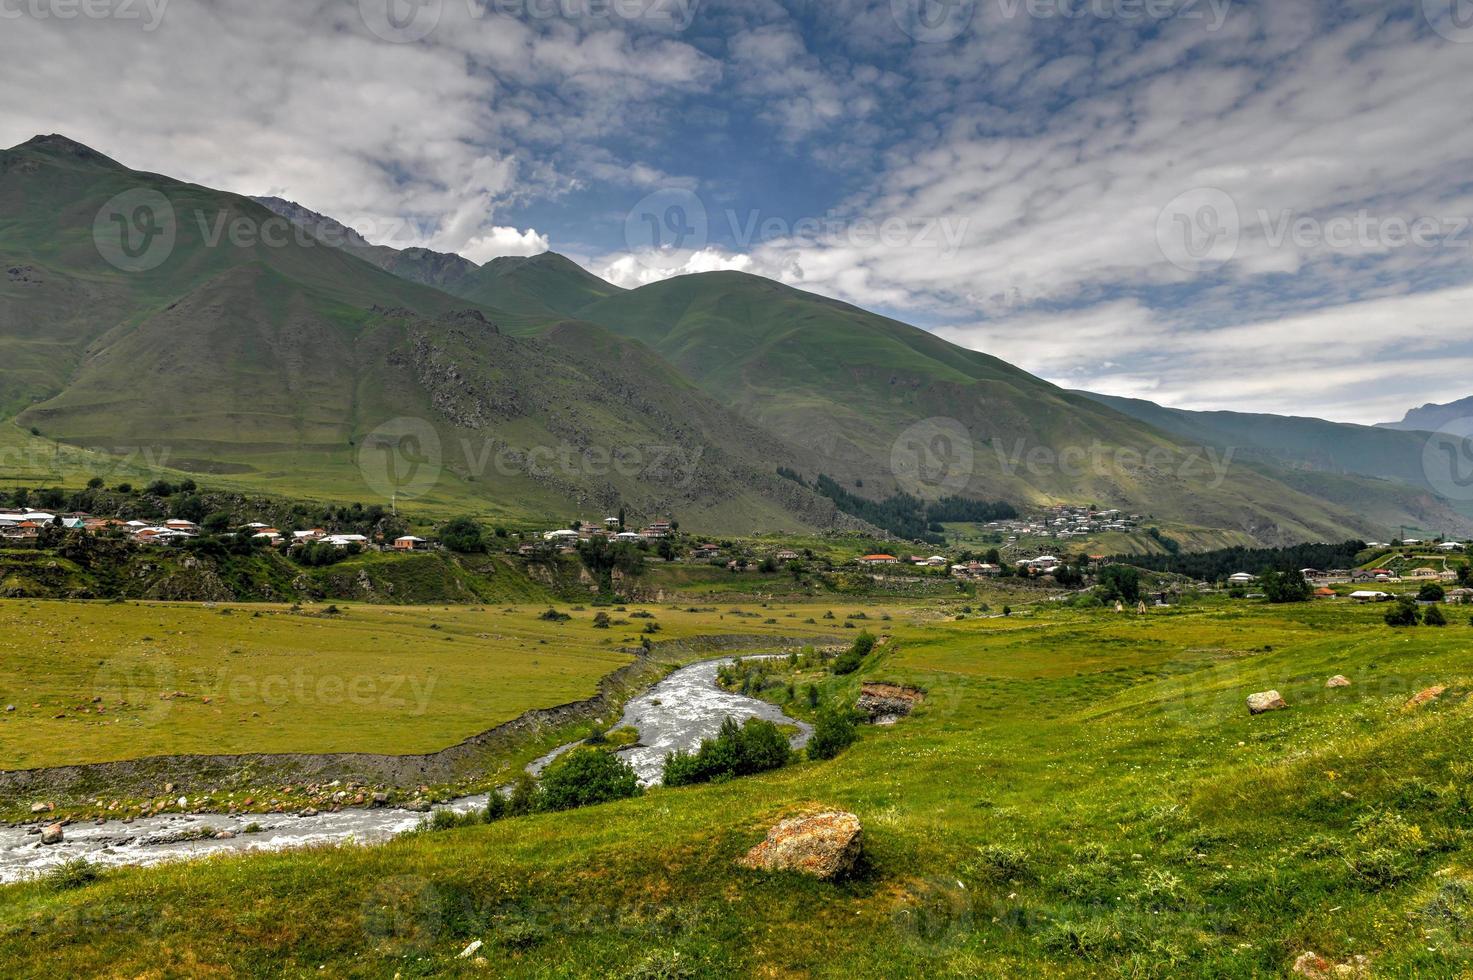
<point x="1377" y="471"/>
<point x="276" y="360"/>
<point x="849" y="386"/>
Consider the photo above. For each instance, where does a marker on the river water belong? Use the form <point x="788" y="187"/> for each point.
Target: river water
<point x="677" y="713"/>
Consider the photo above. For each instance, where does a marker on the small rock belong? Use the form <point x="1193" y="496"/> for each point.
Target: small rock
<point x="418" y="805"/>
<point x="1427" y="696"/>
<point x="1316" y="967"/>
<point x="9" y="707"/>
<point x="183" y="802"/>
<point x="826" y="846"/>
<point x="470" y="950"/>
<point x="1339" y="680"/>
<point x="52" y="834"/>
<point x="380" y="799"/>
<point x="307" y="812"/>
<point x="42" y="807"/>
<point x="1266" y="701"/>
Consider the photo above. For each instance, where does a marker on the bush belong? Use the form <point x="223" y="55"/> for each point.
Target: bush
<point x="1434" y="616"/>
<point x="1404" y="613"/>
<point x="851" y="660"/>
<point x="833" y="733"/>
<point x="584" y="777"/>
<point x="73" y="874"/>
<point x="601" y="621"/>
<point x="737" y="750"/>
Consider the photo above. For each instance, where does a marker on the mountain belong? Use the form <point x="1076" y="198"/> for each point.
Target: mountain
<point x="856" y="390"/>
<point x="1458" y="416"/>
<point x="1379" y="472"/>
<point x="277" y="361"/>
<point x="538" y="286"/>
<point x="272" y="346"/>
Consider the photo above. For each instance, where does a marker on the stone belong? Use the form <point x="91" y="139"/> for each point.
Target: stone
<point x="824" y="845"/>
<point x="418" y="805"/>
<point x="470" y="950"/>
<point x="884" y="704"/>
<point x="1339" y="680"/>
<point x="1427" y="696"/>
<point x="1316" y="967"/>
<point x="1266" y="701"/>
<point x="380" y="799"/>
<point x="52" y="834"/>
<point x="42" y="807"/>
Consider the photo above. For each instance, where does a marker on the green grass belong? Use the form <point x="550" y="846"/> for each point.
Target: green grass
<point x="182" y="679"/>
<point x="1081" y="794"/>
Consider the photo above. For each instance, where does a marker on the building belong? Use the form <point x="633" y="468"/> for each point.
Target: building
<point x="410" y="543"/>
<point x="878" y="560"/>
<point x="1368" y="596"/>
<point x="1241" y="578"/>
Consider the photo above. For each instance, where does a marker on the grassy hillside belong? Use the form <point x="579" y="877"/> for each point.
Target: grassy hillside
<point x="1081" y="794"/>
<point x="1378" y="471"/>
<point x="274" y="360"/>
<point x="849" y="386"/>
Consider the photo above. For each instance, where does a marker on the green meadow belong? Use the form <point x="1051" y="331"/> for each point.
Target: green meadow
<point x="105" y="681"/>
<point x="1082" y="793"/>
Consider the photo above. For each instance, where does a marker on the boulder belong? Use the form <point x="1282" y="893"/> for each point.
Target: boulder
<point x="1427" y="696"/>
<point x="1316" y="967"/>
<point x="884" y="704"/>
<point x="1266" y="701"/>
<point x="824" y="845"/>
<point x="52" y="834"/>
<point x="1339" y="680"/>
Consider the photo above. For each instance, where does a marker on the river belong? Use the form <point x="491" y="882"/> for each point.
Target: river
<point x="677" y="713"/>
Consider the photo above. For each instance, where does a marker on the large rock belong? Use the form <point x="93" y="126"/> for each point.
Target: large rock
<point x="52" y="834"/>
<point x="884" y="704"/>
<point x="1316" y="967"/>
<point x="825" y="845"/>
<point x="1266" y="701"/>
<point x="1339" y="680"/>
<point x="1427" y="696"/>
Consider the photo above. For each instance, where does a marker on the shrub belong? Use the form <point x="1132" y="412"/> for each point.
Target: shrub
<point x="584" y="777"/>
<point x="73" y="874"/>
<point x="737" y="750"/>
<point x="601" y="621"/>
<point x="851" y="660"/>
<point x="525" y="796"/>
<point x="553" y="616"/>
<point x="463" y="535"/>
<point x="1431" y="592"/>
<point x="1434" y="616"/>
<point x="1404" y="613"/>
<point x="833" y="733"/>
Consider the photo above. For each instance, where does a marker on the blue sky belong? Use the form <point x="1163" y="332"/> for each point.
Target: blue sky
<point x="1209" y="203"/>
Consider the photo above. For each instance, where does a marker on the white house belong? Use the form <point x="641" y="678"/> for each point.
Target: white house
<point x="1240" y="578"/>
<point x="1368" y="596"/>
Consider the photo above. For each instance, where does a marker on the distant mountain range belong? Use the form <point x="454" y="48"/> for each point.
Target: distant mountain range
<point x="274" y="363"/>
<point x="1454" y="416"/>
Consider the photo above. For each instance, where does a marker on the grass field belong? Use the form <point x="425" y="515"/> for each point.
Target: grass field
<point x="96" y="682"/>
<point x="1081" y="794"/>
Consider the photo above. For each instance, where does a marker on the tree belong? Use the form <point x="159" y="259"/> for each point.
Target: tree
<point x="1283" y="587"/>
<point x="1404" y="613"/>
<point x="1431" y="592"/>
<point x="95" y="483"/>
<point x="851" y="660"/>
<point x="463" y="535"/>
<point x="584" y="777"/>
<point x="603" y="557"/>
<point x="1434" y="616"/>
<point x="1122" y="582"/>
<point x="833" y="733"/>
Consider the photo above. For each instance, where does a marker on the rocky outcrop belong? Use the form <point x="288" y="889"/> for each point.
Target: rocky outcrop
<point x="885" y="704"/>
<point x="824" y="845"/>
<point x="1316" y="967"/>
<point x="1266" y="701"/>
